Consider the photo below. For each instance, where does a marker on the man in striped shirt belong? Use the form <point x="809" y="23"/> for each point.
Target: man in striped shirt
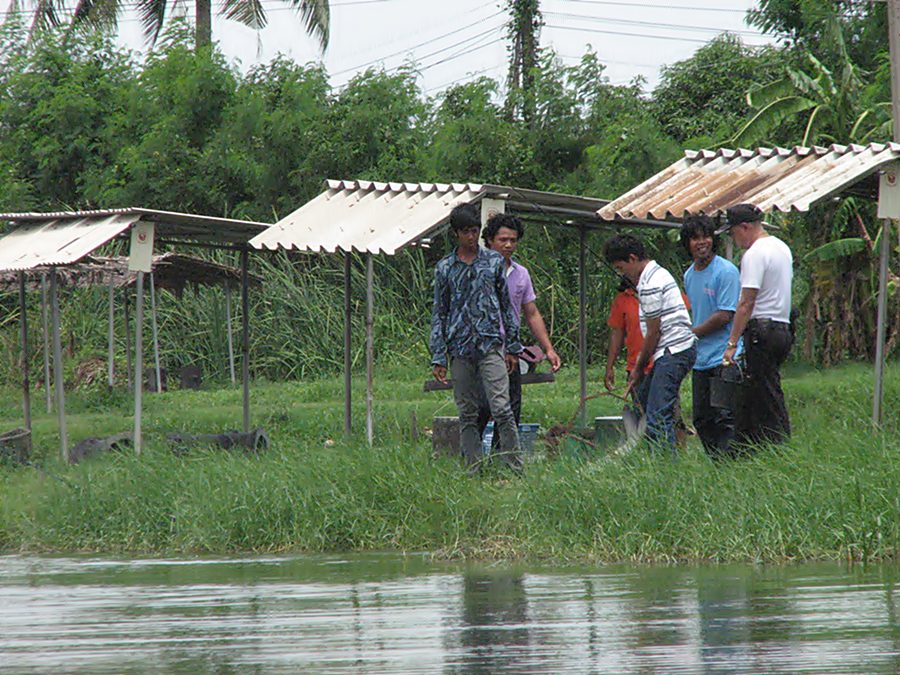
<point x="668" y="339"/>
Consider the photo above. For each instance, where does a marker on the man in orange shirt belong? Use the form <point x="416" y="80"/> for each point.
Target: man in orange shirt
<point x="625" y="329"/>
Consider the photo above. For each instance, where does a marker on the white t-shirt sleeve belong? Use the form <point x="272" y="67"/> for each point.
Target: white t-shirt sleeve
<point x="753" y="269"/>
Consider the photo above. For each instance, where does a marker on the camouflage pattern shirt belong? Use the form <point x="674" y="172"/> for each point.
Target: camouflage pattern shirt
<point x="471" y="305"/>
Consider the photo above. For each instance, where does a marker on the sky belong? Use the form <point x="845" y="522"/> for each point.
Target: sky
<point x="452" y="41"/>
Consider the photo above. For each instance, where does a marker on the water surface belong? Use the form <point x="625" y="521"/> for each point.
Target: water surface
<point x="404" y="614"/>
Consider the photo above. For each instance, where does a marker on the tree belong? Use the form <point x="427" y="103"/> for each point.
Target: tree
<point x="702" y="99"/>
<point x="153" y="13"/>
<point x="830" y="107"/>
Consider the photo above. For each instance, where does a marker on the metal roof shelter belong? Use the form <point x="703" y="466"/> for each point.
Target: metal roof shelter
<point x="775" y="179"/>
<point x="62" y="238"/>
<point x="170" y="271"/>
<point x="383" y="218"/>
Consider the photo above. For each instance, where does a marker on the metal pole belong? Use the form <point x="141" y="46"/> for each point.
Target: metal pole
<point x="125" y="307"/>
<point x="245" y="336"/>
<point x="46" y="335"/>
<point x="111" y="351"/>
<point x="347" y="346"/>
<point x="26" y="361"/>
<point x="893" y="12"/>
<point x="57" y="367"/>
<point x="881" y="330"/>
<point x="138" y="360"/>
<point x="228" y="329"/>
<point x="155" y="332"/>
<point x="582" y="310"/>
<point x="370" y="347"/>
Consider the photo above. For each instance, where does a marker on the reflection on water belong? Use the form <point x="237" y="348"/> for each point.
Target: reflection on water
<point x="385" y="613"/>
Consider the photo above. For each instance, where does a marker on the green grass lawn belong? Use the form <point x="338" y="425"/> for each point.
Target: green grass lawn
<point x="831" y="493"/>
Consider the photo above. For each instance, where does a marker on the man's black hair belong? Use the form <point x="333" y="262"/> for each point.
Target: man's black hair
<point x="498" y="220"/>
<point x="698" y="226"/>
<point x="622" y="246"/>
<point x="464" y="216"/>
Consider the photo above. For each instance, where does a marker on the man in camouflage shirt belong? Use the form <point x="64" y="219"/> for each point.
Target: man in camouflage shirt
<point x="471" y="304"/>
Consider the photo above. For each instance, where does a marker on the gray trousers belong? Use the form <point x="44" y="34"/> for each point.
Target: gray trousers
<point x="471" y="377"/>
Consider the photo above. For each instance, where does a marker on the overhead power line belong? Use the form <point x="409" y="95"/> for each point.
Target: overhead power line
<point x="650" y="5"/>
<point x="650" y="24"/>
<point x="422" y="44"/>
<point x="624" y="34"/>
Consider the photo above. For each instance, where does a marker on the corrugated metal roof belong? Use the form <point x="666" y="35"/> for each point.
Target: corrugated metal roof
<point x="367" y="217"/>
<point x="775" y="179"/>
<point x="373" y="217"/>
<point x="59" y="241"/>
<point x="64" y="237"/>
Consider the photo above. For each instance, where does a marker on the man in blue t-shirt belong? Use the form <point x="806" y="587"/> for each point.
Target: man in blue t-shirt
<point x="713" y="285"/>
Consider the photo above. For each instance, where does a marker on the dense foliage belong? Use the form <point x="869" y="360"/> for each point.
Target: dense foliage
<point x="84" y="124"/>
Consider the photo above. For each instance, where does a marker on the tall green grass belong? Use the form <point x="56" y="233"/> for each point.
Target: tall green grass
<point x="831" y="493"/>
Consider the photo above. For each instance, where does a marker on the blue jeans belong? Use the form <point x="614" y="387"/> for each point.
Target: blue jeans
<point x="658" y="395"/>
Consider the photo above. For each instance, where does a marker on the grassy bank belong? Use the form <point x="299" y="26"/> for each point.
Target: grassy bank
<point x="831" y="493"/>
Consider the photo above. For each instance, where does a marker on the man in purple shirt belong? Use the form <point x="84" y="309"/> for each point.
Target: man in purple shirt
<point x="502" y="234"/>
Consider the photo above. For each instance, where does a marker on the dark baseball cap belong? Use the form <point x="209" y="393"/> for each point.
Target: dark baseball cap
<point x="740" y="213"/>
<point x="743" y="213"/>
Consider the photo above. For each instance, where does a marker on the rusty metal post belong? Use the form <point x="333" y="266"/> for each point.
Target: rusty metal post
<point x="26" y="361"/>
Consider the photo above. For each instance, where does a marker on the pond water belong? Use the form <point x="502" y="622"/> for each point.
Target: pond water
<point x="405" y="614"/>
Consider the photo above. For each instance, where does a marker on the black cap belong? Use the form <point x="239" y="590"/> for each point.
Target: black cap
<point x="740" y="213"/>
<point x="743" y="213"/>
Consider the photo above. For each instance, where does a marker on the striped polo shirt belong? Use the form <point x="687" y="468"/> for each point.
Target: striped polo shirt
<point x="660" y="298"/>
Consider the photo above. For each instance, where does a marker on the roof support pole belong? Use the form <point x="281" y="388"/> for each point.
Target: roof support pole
<point x="126" y="310"/>
<point x="881" y="330"/>
<point x="26" y="360"/>
<point x="370" y="347"/>
<point x="45" y="329"/>
<point x="245" y="336"/>
<point x="228" y="330"/>
<point x="893" y="12"/>
<point x="111" y="348"/>
<point x="138" y="359"/>
<point x="582" y="310"/>
<point x="347" y="346"/>
<point x="153" y="327"/>
<point x="57" y="367"/>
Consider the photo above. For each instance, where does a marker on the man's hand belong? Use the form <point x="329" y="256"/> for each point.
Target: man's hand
<point x="512" y="362"/>
<point x="633" y="380"/>
<point x="728" y="356"/>
<point x="555" y="361"/>
<point x="610" y="379"/>
<point x="440" y="374"/>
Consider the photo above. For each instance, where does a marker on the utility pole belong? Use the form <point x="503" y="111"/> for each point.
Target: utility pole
<point x="893" y="10"/>
<point x="524" y="31"/>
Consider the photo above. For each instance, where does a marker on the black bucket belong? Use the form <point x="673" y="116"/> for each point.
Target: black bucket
<point x="723" y="386"/>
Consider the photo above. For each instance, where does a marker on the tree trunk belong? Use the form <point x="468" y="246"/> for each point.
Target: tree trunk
<point x="203" y="20"/>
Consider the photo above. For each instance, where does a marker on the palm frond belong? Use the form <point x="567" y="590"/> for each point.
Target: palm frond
<point x="101" y="14"/>
<point x="152" y="14"/>
<point x="316" y="14"/>
<point x="251" y="13"/>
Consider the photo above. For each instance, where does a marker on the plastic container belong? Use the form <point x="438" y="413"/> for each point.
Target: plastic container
<point x="528" y="433"/>
<point x="609" y="431"/>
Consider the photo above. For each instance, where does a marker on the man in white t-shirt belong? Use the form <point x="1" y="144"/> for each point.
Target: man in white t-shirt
<point x="763" y="317"/>
<point x="668" y="339"/>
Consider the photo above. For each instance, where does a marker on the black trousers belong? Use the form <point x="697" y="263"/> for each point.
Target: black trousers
<point x="761" y="414"/>
<point x="714" y="425"/>
<point x="515" y="402"/>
